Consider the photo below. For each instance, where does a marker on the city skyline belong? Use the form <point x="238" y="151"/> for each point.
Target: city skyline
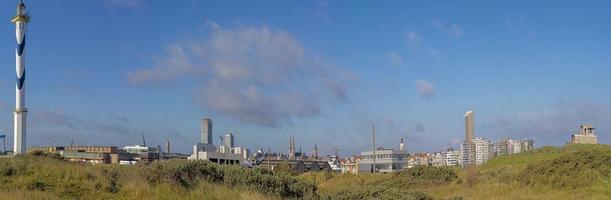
<point x="316" y="71"/>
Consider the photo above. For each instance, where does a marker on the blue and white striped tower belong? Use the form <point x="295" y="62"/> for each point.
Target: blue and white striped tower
<point x="21" y="20"/>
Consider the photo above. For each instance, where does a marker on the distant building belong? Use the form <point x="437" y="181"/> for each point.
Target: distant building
<point x="478" y="152"/>
<point x="436" y="159"/>
<point x="586" y="136"/>
<point x="291" y="154"/>
<point x="507" y="146"/>
<point x="206" y="131"/>
<point x="142" y="153"/>
<point x="228" y="140"/>
<point x="483" y="150"/>
<point x="167" y="146"/>
<point x="350" y="165"/>
<point x="450" y="157"/>
<point x="466" y="157"/>
<point x="297" y="166"/>
<point x="469" y="126"/>
<point x="88" y="154"/>
<point x="387" y="160"/>
<point x="419" y="159"/>
<point x="224" y="154"/>
<point x="334" y="163"/>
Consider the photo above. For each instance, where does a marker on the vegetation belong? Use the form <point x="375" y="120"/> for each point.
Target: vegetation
<point x="572" y="172"/>
<point x="176" y="179"/>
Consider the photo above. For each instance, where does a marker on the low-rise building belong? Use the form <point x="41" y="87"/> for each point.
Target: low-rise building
<point x="585" y="136"/>
<point x="350" y="165"/>
<point x="387" y="160"/>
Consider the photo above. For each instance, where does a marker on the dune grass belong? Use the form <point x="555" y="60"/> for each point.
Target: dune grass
<point x="40" y="177"/>
<point x="571" y="172"/>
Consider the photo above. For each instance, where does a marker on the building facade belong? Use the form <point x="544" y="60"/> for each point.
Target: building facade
<point x="387" y="160"/>
<point x="469" y="126"/>
<point x="206" y="131"/>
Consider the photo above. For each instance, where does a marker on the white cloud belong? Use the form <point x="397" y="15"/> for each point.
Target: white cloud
<point x="123" y="3"/>
<point x="255" y="74"/>
<point x="450" y="29"/>
<point x="174" y="64"/>
<point x="413" y="39"/>
<point x="394" y="59"/>
<point x="425" y="89"/>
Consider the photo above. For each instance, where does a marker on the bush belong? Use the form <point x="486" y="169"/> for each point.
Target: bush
<point x="189" y="173"/>
<point x="378" y="193"/>
<point x="423" y="175"/>
<point x="573" y="169"/>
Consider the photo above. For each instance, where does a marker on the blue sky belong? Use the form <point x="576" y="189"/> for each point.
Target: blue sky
<point x="102" y="72"/>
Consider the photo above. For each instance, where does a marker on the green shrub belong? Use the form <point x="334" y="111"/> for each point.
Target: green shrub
<point x="573" y="169"/>
<point x="189" y="173"/>
<point x="377" y="193"/>
<point x="422" y="175"/>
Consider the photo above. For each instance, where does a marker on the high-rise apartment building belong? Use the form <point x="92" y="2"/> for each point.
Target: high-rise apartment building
<point x="508" y="146"/>
<point x="483" y="150"/>
<point x="478" y="152"/>
<point x="206" y="131"/>
<point x="465" y="154"/>
<point x="450" y="157"/>
<point x="469" y="126"/>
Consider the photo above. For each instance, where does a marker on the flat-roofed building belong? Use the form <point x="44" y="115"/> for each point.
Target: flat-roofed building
<point x="586" y="136"/>
<point x="387" y="160"/>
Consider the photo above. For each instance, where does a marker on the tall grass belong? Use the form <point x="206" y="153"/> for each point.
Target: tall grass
<point x="572" y="172"/>
<point x="40" y="177"/>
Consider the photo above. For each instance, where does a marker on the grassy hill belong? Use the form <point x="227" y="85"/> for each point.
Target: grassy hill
<point x="572" y="172"/>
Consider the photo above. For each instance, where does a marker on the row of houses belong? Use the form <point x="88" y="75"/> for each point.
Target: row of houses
<point x="297" y="166"/>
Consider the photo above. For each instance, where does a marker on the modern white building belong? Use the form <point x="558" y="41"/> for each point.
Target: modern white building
<point x="512" y="146"/>
<point x="387" y="160"/>
<point x="466" y="157"/>
<point x="483" y="150"/>
<point x="450" y="157"/>
<point x="478" y="152"/>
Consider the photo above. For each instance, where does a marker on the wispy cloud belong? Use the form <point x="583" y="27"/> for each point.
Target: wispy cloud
<point x="513" y="20"/>
<point x="59" y="119"/>
<point x="123" y="3"/>
<point x="394" y="59"/>
<point x="413" y="39"/>
<point x="415" y="42"/>
<point x="255" y="74"/>
<point x="175" y="63"/>
<point x="550" y="126"/>
<point x="425" y="89"/>
<point x="450" y="29"/>
<point x="323" y="10"/>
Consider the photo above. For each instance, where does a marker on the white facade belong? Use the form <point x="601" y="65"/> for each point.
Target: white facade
<point x="387" y="160"/>
<point x="477" y="153"/>
<point x="483" y="150"/>
<point x="450" y="157"/>
<point x="466" y="156"/>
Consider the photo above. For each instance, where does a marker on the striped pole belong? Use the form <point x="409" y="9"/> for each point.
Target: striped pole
<point x="20" y="20"/>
